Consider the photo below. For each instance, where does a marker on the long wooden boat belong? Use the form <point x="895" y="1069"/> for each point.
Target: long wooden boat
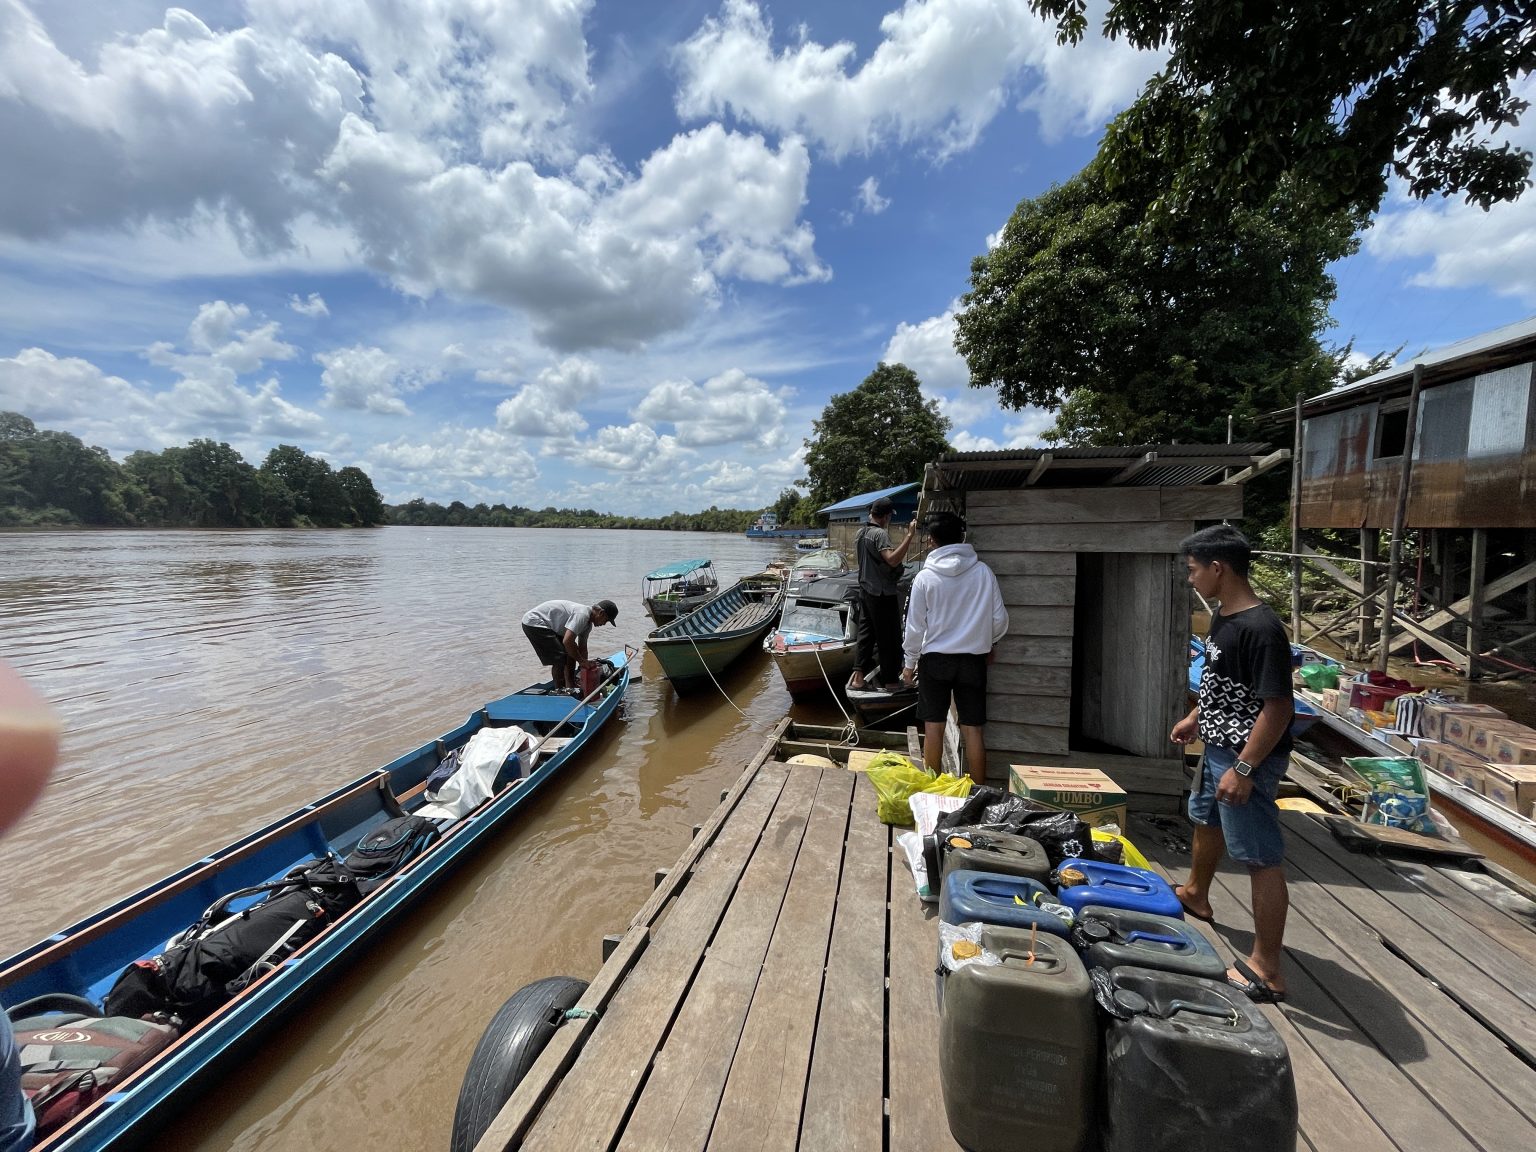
<point x="85" y="959"/>
<point x="676" y="588"/>
<point x="814" y="645"/>
<point x="694" y="649"/>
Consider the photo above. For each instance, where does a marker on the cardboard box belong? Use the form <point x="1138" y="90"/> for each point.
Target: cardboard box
<point x="1474" y="776"/>
<point x="1400" y="742"/>
<point x="1431" y="722"/>
<point x="1455" y="727"/>
<point x="1330" y="700"/>
<point x="1086" y="791"/>
<point x="1514" y="745"/>
<point x="1512" y="785"/>
<point x="1484" y="732"/>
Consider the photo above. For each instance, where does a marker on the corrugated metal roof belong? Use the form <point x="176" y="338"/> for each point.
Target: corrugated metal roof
<point x="854" y="503"/>
<point x="1135" y="466"/>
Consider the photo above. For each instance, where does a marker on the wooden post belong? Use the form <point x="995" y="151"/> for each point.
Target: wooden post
<point x="1399" y="522"/>
<point x="1475" y="592"/>
<point x="1370" y="542"/>
<point x="1296" y="466"/>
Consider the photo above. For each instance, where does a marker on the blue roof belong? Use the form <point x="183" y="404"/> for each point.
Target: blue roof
<point x="854" y="503"/>
<point x="679" y="568"/>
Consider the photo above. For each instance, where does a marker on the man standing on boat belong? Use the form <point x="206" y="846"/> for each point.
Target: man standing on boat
<point x="558" y="631"/>
<point x="879" y="597"/>
<point x="954" y="618"/>
<point x="1244" y="718"/>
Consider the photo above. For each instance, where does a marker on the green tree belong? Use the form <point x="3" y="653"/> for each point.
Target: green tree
<point x="1326" y="95"/>
<point x="228" y="487"/>
<point x="878" y="435"/>
<point x="365" y="507"/>
<point x="1151" y="328"/>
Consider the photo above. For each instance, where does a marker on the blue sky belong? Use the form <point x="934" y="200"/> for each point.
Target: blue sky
<point x="607" y="254"/>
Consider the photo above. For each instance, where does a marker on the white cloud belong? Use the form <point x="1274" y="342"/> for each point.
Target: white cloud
<point x="942" y="70"/>
<point x="455" y="462"/>
<point x="730" y="408"/>
<point x="366" y="379"/>
<point x="869" y="198"/>
<point x="631" y="448"/>
<point x="314" y="306"/>
<point x="550" y="406"/>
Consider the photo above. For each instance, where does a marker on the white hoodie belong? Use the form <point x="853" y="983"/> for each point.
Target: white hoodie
<point x="956" y="605"/>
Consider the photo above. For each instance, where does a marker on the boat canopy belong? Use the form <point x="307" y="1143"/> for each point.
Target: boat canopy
<point x="679" y="568"/>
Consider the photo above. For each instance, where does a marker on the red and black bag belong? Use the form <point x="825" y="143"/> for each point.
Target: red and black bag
<point x="69" y="1060"/>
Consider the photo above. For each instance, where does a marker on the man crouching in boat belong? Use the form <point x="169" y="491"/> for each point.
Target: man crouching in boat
<point x="558" y="631"/>
<point x="1244" y="717"/>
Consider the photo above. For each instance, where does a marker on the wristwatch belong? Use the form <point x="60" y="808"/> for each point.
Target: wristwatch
<point x="1243" y="768"/>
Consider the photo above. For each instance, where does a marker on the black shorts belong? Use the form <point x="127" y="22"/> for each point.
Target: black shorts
<point x="962" y="673"/>
<point x="547" y="646"/>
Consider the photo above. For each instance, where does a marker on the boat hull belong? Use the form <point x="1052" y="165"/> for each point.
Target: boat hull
<point x="85" y="958"/>
<point x="811" y="668"/>
<point x="695" y="649"/>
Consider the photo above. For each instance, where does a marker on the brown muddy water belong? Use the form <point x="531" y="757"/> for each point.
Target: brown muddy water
<point x="212" y="681"/>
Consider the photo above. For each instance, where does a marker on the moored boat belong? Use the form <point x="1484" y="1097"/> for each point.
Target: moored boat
<point x="815" y="643"/>
<point x="811" y="544"/>
<point x="694" y="649"/>
<point x="874" y="704"/>
<point x="817" y="565"/>
<point x="542" y="731"/>
<point x="677" y="588"/>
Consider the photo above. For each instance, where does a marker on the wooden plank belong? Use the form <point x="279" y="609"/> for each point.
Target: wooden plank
<point x="1058" y="591"/>
<point x="1015" y="738"/>
<point x="1511" y="924"/>
<point x="1063" y="506"/>
<point x="1201" y="503"/>
<point x="916" y="1107"/>
<point x="507" y="1129"/>
<point x="1152" y="536"/>
<point x="1051" y="711"/>
<point x="591" y="1102"/>
<point x="1045" y="651"/>
<point x="765" y="1092"/>
<point x="1029" y="679"/>
<point x="677" y="1106"/>
<point x="845" y="1097"/>
<point x="1040" y="621"/>
<point x="1030" y="563"/>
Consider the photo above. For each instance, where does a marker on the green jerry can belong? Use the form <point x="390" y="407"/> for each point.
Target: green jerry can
<point x="983" y="850"/>
<point x="1018" y="1046"/>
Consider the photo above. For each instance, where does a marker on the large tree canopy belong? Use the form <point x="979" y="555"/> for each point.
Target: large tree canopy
<point x="1330" y="94"/>
<point x="879" y="435"/>
<point x="1148" y="328"/>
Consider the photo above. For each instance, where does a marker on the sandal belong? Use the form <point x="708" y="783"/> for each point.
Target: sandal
<point x="1203" y="917"/>
<point x="1254" y="986"/>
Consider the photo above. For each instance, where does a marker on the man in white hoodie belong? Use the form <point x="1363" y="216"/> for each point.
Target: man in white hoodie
<point x="955" y="615"/>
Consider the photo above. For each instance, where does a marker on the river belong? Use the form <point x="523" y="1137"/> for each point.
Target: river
<point x="211" y="681"/>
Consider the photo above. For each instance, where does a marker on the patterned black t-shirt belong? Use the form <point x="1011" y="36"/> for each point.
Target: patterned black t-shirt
<point x="1247" y="661"/>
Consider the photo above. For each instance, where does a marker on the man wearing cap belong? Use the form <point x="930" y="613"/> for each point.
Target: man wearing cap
<point x="879" y="600"/>
<point x="558" y="630"/>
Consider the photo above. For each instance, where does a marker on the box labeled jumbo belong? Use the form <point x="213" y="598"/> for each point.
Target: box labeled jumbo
<point x="1485" y="732"/>
<point x="1512" y="785"/>
<point x="1432" y="718"/>
<point x="1512" y="745"/>
<point x="1086" y="791"/>
<point x="1458" y="727"/>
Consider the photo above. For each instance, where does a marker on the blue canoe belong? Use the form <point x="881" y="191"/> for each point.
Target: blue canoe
<point x="86" y="958"/>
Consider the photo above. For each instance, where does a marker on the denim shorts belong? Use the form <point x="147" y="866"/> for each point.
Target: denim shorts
<point x="1251" y="830"/>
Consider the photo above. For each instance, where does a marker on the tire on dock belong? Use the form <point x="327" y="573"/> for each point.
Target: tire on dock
<point x="507" y="1050"/>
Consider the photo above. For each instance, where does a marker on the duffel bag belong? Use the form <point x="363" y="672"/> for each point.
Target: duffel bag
<point x="69" y="1060"/>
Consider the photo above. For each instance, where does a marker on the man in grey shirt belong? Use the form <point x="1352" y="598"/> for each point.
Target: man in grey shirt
<point x="558" y="631"/>
<point x="879" y="600"/>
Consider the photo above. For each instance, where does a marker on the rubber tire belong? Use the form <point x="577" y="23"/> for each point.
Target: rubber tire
<point x="507" y="1049"/>
<point x="51" y="1002"/>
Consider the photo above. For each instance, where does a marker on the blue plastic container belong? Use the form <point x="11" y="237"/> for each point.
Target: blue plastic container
<point x="995" y="899"/>
<point x="1120" y="886"/>
<point x="1116" y="936"/>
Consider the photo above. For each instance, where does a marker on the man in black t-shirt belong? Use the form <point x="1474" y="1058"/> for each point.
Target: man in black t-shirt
<point x="879" y="598"/>
<point x="1244" y="719"/>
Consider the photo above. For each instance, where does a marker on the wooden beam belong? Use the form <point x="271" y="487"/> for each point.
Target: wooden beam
<point x="1476" y="596"/>
<point x="1440" y="644"/>
<point x="1506" y="583"/>
<point x="1040" y="468"/>
<point x="1135" y="469"/>
<point x="1300" y="434"/>
<point x="1259" y="465"/>
<point x="1333" y="571"/>
<point x="1400" y="517"/>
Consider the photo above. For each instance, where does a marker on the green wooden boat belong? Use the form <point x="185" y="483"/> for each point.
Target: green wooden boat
<point x="694" y="649"/>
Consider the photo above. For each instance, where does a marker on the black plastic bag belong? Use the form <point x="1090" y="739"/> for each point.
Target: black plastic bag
<point x="1063" y="835"/>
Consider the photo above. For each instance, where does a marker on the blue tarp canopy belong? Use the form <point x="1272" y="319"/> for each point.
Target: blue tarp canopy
<point x="904" y="496"/>
<point x="680" y="568"/>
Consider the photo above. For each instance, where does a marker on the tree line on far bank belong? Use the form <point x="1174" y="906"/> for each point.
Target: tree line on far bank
<point x="51" y="478"/>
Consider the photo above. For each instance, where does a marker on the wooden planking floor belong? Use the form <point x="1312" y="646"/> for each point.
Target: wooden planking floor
<point x="784" y="997"/>
<point x="1409" y="1016"/>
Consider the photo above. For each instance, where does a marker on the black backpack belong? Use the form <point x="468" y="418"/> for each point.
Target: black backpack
<point x="223" y="953"/>
<point x="390" y="847"/>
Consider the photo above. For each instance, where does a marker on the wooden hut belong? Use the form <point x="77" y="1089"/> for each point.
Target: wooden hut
<point x="1440" y="451"/>
<point x="846" y="517"/>
<point x="1084" y="541"/>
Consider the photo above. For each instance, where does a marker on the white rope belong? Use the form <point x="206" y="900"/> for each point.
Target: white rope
<point x="850" y="729"/>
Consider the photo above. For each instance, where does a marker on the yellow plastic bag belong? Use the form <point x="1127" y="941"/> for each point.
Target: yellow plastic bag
<point x="897" y="779"/>
<point x="1129" y="854"/>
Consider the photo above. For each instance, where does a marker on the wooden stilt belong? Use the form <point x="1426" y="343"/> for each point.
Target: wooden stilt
<point x="1297" y="462"/>
<point x="1399" y="520"/>
<point x="1475" y="621"/>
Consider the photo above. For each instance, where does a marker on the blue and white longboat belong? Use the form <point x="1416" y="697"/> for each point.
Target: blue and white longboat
<point x="86" y="958"/>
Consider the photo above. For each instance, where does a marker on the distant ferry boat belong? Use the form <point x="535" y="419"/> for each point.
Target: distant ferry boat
<point x="766" y="527"/>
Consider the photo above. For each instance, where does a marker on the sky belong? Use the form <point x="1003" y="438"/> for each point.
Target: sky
<point x="614" y="254"/>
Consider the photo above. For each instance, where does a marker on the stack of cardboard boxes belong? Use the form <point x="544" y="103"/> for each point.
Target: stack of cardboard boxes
<point x="1482" y="748"/>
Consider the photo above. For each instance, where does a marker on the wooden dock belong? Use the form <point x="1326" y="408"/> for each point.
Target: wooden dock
<point x="777" y="991"/>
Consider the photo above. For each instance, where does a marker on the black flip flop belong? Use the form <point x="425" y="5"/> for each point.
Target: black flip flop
<point x="1190" y="912"/>
<point x="1254" y="986"/>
